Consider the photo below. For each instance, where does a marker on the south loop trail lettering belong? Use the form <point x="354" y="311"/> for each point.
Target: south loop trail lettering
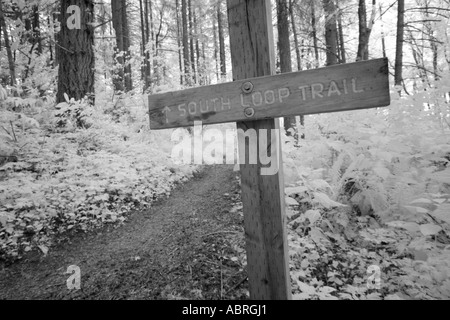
<point x="351" y="86"/>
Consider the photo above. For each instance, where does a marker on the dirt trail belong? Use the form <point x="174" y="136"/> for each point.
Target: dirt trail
<point x="176" y="249"/>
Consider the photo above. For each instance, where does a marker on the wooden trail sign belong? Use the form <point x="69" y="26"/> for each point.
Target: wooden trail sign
<point x="351" y="86"/>
<point x="255" y="104"/>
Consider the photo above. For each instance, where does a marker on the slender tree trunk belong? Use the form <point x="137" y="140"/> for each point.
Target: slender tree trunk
<point x="314" y="33"/>
<point x="76" y="57"/>
<point x="126" y="48"/>
<point x="12" y="67"/>
<point x="32" y="26"/>
<point x="206" y="75"/>
<point x="123" y="81"/>
<point x="37" y="29"/>
<point x="192" y="43"/>
<point x="116" y="7"/>
<point x="341" y="35"/>
<point x="223" y="63"/>
<point x="330" y="32"/>
<point x="433" y="42"/>
<point x="383" y="38"/>
<point x="362" y="45"/>
<point x="197" y="48"/>
<point x="180" y="54"/>
<point x="148" y="66"/>
<point x="284" y="49"/>
<point x="364" y="30"/>
<point x="295" y="34"/>
<point x="187" y="64"/>
<point x="216" y="51"/>
<point x="141" y="12"/>
<point x="399" y="43"/>
<point x="50" y="43"/>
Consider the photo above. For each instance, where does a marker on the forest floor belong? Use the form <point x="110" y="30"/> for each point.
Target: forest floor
<point x="184" y="247"/>
<point x="191" y="246"/>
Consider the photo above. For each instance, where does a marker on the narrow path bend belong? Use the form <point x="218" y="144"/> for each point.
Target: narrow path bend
<point x="176" y="249"/>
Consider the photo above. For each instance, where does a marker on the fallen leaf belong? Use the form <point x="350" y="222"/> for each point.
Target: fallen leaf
<point x="430" y="229"/>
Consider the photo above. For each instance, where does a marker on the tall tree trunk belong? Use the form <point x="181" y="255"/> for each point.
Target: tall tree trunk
<point x="141" y="13"/>
<point x="126" y="48"/>
<point x="223" y="63"/>
<point x="330" y="32"/>
<point x="364" y="30"/>
<point x="76" y="57"/>
<point x="191" y="43"/>
<point x="148" y="66"/>
<point x="383" y="38"/>
<point x="297" y="50"/>
<point x="216" y="51"/>
<point x="284" y="49"/>
<point x="50" y="43"/>
<point x="433" y="41"/>
<point x="180" y="54"/>
<point x="118" y="80"/>
<point x="341" y="35"/>
<point x="187" y="64"/>
<point x="295" y="34"/>
<point x="362" y="45"/>
<point x="12" y="67"/>
<point x="123" y="81"/>
<point x="32" y="26"/>
<point x="37" y="29"/>
<point x="314" y="33"/>
<point x="197" y="48"/>
<point x="398" y="79"/>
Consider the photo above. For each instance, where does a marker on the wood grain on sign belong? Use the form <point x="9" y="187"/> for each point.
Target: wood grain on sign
<point x="358" y="85"/>
<point x="252" y="55"/>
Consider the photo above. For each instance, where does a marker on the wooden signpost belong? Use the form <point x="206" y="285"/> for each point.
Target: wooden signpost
<point x="342" y="87"/>
<point x="254" y="100"/>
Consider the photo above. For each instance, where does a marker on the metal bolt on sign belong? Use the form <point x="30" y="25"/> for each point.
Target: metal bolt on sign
<point x="247" y="87"/>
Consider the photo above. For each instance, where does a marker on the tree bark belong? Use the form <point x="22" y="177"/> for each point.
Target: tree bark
<point x="223" y="63"/>
<point x="12" y="67"/>
<point x="364" y="30"/>
<point x="216" y="51"/>
<point x="284" y="49"/>
<point x="343" y="58"/>
<point x="433" y="42"/>
<point x="398" y="79"/>
<point x="143" y="75"/>
<point x="126" y="48"/>
<point x="180" y="54"/>
<point x="148" y="66"/>
<point x="383" y="38"/>
<point x="362" y="44"/>
<point x="123" y="81"/>
<point x="76" y="55"/>
<point x="118" y="80"/>
<point x="191" y="43"/>
<point x="187" y="64"/>
<point x="314" y="33"/>
<point x="197" y="48"/>
<point x="295" y="34"/>
<point x="330" y="32"/>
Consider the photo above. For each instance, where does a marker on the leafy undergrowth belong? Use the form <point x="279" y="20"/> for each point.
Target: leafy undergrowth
<point x="60" y="178"/>
<point x="327" y="265"/>
<point x="338" y="255"/>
